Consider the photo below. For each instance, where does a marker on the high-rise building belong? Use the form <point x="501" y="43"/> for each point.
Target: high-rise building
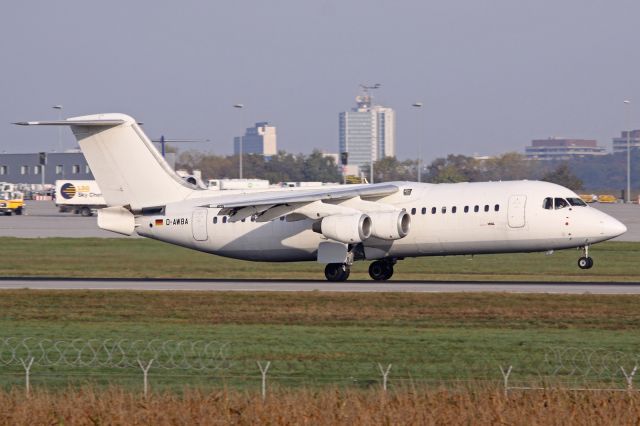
<point x="620" y="143"/>
<point x="259" y="139"/>
<point x="367" y="132"/>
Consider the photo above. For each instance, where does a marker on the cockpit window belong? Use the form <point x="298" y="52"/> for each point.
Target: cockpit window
<point x="547" y="203"/>
<point x="576" y="202"/>
<point x="560" y="203"/>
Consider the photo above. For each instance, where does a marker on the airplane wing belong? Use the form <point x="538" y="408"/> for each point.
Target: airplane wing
<point x="314" y="203"/>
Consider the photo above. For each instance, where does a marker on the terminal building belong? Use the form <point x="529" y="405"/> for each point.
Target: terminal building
<point x="259" y="139"/>
<point x="620" y="143"/>
<point x="367" y="132"/>
<point x="38" y="168"/>
<point x="563" y="149"/>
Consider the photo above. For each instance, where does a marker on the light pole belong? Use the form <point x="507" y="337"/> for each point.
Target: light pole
<point x="59" y="108"/>
<point x="240" y="138"/>
<point x="628" y="125"/>
<point x="418" y="105"/>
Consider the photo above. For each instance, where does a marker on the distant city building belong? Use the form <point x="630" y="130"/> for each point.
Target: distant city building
<point x="27" y="168"/>
<point x="259" y="139"/>
<point x="367" y="132"/>
<point x="620" y="143"/>
<point x="563" y="149"/>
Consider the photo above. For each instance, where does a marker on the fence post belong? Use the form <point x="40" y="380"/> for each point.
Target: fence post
<point x="145" y="374"/>
<point x="385" y="375"/>
<point x="505" y="377"/>
<point x="27" y="370"/>
<point x="629" y="377"/>
<point x="263" y="371"/>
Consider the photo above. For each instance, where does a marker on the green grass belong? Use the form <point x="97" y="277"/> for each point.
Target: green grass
<point x="326" y="338"/>
<point x="141" y="258"/>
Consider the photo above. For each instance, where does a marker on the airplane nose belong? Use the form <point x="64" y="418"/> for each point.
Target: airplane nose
<point x="613" y="227"/>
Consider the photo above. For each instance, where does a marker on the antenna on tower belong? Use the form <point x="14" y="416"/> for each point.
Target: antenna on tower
<point x="364" y="100"/>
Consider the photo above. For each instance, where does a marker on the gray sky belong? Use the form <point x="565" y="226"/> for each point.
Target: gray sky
<point x="492" y="74"/>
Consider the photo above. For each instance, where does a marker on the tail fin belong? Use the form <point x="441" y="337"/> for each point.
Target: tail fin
<point x="128" y="168"/>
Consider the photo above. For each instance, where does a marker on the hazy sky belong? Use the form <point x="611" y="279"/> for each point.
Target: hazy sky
<point x="492" y="74"/>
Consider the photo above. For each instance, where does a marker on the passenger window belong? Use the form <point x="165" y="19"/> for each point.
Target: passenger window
<point x="560" y="203"/>
<point x="444" y="210"/>
<point x="224" y="219"/>
<point x="413" y="211"/>
<point x="454" y="209"/>
<point x="215" y="220"/>
<point x="496" y="207"/>
<point x="424" y="210"/>
<point x="466" y="209"/>
<point x="433" y="210"/>
<point x="476" y="209"/>
<point x="486" y="207"/>
<point x="547" y="204"/>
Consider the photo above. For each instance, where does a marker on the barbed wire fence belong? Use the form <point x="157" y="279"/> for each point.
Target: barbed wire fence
<point x="567" y="367"/>
<point x="574" y="367"/>
<point x="113" y="353"/>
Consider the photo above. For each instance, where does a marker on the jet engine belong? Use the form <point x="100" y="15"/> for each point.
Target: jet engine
<point x="348" y="229"/>
<point x="390" y="225"/>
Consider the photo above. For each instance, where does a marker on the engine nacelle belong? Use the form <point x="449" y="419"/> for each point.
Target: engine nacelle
<point x="348" y="229"/>
<point x="390" y="225"/>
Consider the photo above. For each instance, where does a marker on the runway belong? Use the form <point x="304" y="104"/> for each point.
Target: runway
<point x="322" y="286"/>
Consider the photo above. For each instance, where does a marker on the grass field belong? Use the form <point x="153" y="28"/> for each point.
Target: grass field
<point x="328" y="338"/>
<point x="142" y="258"/>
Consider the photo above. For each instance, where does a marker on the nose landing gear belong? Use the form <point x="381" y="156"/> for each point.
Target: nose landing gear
<point x="381" y="270"/>
<point x="585" y="262"/>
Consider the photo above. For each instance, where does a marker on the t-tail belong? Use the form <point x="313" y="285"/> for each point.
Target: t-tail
<point x="129" y="170"/>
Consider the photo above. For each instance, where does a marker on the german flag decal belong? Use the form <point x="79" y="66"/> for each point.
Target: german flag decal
<point x="159" y="222"/>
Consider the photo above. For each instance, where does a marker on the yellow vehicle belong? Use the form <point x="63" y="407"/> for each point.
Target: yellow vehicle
<point x="11" y="202"/>
<point x="607" y="198"/>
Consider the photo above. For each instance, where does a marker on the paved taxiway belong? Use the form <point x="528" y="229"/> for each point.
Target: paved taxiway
<point x="324" y="286"/>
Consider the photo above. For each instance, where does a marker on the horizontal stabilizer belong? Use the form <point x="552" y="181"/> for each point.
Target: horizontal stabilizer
<point x="91" y="123"/>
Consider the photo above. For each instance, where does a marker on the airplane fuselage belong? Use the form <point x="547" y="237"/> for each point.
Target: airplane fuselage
<point x="446" y="219"/>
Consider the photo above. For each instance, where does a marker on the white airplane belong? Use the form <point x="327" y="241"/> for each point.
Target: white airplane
<point x="335" y="226"/>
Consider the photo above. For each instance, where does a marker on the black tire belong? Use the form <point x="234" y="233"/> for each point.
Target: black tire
<point x="336" y="272"/>
<point x="585" y="263"/>
<point x="86" y="212"/>
<point x="19" y="211"/>
<point x="380" y="270"/>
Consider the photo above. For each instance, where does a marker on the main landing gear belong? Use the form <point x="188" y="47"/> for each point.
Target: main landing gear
<point x="381" y="270"/>
<point x="337" y="272"/>
<point x="585" y="262"/>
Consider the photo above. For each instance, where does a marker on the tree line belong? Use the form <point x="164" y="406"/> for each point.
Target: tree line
<point x="606" y="172"/>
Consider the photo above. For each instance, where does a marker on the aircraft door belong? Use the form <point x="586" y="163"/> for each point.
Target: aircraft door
<point x="199" y="224"/>
<point x="516" y="211"/>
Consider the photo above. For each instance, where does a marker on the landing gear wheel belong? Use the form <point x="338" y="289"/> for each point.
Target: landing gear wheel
<point x="337" y="272"/>
<point x="380" y="270"/>
<point x="86" y="212"/>
<point x="585" y="263"/>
